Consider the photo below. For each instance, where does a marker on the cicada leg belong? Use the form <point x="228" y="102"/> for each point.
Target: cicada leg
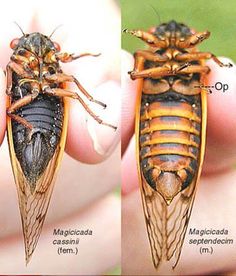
<point x="149" y="38"/>
<point x="60" y="77"/>
<point x="149" y="55"/>
<point x="19" y="70"/>
<point x="65" y="93"/>
<point x="199" y="56"/>
<point x="66" y="57"/>
<point x="191" y="69"/>
<point x="18" y="104"/>
<point x="157" y="72"/>
<point x="193" y="40"/>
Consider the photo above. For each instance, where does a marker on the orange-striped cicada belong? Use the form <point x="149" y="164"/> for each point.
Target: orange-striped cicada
<point x="37" y="124"/>
<point x="170" y="131"/>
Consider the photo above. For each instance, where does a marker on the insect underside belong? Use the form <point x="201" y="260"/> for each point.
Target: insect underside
<point x="37" y="124"/>
<point x="170" y="131"/>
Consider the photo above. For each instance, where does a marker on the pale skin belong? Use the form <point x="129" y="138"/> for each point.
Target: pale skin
<point x="77" y="201"/>
<point x="216" y="185"/>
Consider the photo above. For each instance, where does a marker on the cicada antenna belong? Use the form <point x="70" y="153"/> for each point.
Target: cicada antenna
<point x="156" y="12"/>
<point x="19" y="28"/>
<point x="55" y="30"/>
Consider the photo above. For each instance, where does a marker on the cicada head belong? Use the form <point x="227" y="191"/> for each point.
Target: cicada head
<point x="38" y="44"/>
<point x="172" y="29"/>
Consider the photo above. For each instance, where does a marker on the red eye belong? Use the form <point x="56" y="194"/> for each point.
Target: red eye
<point x="57" y="46"/>
<point x="152" y="30"/>
<point x="14" y="43"/>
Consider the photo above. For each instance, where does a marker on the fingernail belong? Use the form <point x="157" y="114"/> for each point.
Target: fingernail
<point x="105" y="138"/>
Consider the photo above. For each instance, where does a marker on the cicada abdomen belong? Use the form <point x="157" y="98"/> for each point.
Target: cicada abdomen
<point x="170" y="131"/>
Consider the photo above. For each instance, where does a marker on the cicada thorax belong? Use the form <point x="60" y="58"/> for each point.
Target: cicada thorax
<point x="170" y="133"/>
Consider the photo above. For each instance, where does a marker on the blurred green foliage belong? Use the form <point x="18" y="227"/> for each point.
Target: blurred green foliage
<point x="217" y="16"/>
<point x="115" y="271"/>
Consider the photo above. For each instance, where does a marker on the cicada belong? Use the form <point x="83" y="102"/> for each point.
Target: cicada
<point x="170" y="131"/>
<point x="37" y="124"/>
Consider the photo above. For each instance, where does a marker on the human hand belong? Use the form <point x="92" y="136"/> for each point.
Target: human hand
<point x="83" y="195"/>
<point x="214" y="206"/>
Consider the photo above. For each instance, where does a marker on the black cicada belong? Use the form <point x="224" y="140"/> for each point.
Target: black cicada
<point x="37" y="124"/>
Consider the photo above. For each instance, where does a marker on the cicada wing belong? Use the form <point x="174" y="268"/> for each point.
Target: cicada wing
<point x="166" y="225"/>
<point x="34" y="206"/>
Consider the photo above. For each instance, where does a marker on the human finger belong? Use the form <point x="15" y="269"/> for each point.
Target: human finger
<point x="87" y="140"/>
<point x="2" y="105"/>
<point x="129" y="95"/>
<point x="221" y="124"/>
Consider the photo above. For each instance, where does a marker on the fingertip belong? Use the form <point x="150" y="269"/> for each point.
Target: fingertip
<point x="87" y="140"/>
<point x="129" y="169"/>
<point x="222" y="104"/>
<point x="221" y="122"/>
<point x="2" y="105"/>
<point x="129" y="88"/>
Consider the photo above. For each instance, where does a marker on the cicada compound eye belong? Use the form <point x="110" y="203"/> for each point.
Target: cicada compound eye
<point x="14" y="43"/>
<point x="152" y="30"/>
<point x="57" y="46"/>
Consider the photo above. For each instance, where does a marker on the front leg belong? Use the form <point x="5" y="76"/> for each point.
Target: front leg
<point x="52" y="57"/>
<point x="149" y="38"/>
<point x="66" y="57"/>
<point x="19" y="70"/>
<point x="193" y="40"/>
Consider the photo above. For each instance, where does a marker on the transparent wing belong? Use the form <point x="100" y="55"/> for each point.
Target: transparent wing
<point x="33" y="207"/>
<point x="166" y="225"/>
